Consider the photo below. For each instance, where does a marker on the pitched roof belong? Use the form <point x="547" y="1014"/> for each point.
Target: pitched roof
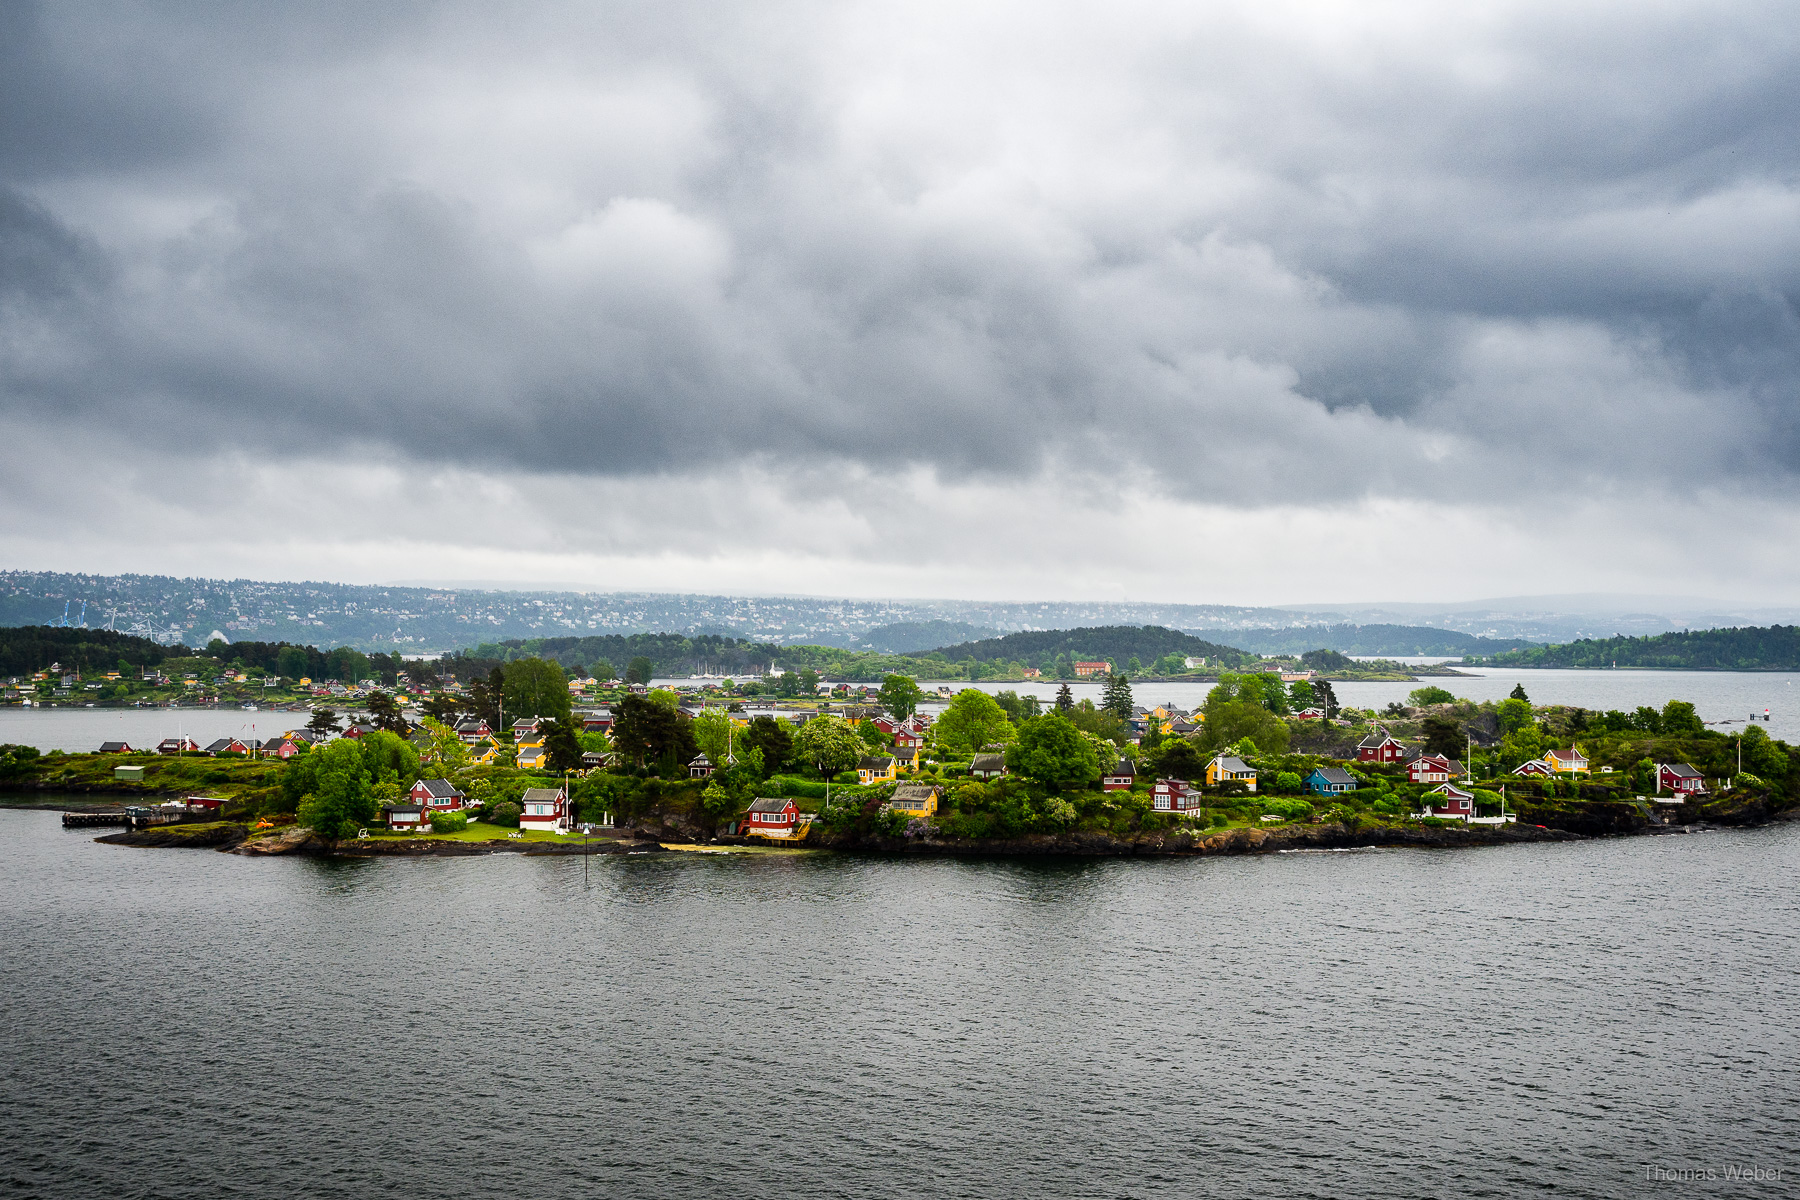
<point x="1682" y="771"/>
<point x="988" y="762"/>
<point x="223" y="743"/>
<point x="767" y="804"/>
<point x="1123" y="767"/>
<point x="1234" y="764"/>
<point x="1334" y="775"/>
<point x="541" y="795"/>
<point x="404" y="806"/>
<point x="1380" y="737"/>
<point x="114" y="747"/>
<point x="1452" y="791"/>
<point x="916" y="791"/>
<point x="440" y="788"/>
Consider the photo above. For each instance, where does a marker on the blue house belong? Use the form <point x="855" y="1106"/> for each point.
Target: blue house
<point x="1329" y="781"/>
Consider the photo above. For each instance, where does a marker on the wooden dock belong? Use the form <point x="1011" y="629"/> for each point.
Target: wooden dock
<point x="85" y="820"/>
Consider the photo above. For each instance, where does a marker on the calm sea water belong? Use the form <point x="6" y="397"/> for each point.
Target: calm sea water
<point x="1392" y="1023"/>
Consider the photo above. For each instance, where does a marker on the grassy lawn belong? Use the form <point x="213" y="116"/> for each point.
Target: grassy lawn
<point x="479" y="831"/>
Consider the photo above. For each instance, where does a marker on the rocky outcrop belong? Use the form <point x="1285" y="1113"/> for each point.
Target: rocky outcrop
<point x="1197" y="842"/>
<point x="215" y="835"/>
<point x="295" y="839"/>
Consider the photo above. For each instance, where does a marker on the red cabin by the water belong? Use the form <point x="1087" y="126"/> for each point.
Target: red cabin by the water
<point x="1380" y="746"/>
<point x="772" y="814"/>
<point x="1679" y="777"/>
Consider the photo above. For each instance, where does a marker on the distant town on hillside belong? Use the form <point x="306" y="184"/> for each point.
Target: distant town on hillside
<point x="428" y="620"/>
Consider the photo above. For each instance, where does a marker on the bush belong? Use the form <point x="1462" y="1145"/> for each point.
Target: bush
<point x="449" y="822"/>
<point x="1291" y="809"/>
<point x="506" y="813"/>
<point x="1287" y="783"/>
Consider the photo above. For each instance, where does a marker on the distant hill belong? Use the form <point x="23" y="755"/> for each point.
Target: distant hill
<point x="1117" y="644"/>
<point x="1384" y="640"/>
<point x="905" y="637"/>
<point x="1772" y="648"/>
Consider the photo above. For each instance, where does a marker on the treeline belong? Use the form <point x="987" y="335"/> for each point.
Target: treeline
<point x="1775" y="648"/>
<point x="1372" y="640"/>
<point x="28" y="648"/>
<point x="307" y="662"/>
<point x="1117" y="644"/>
<point x="669" y="653"/>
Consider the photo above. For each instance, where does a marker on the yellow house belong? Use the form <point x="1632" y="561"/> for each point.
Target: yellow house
<point x="305" y="681"/>
<point x="906" y="757"/>
<point x="915" y="799"/>
<point x="1225" y="767"/>
<point x="533" y="756"/>
<point x="875" y="769"/>
<point x="484" y="753"/>
<point x="1568" y="761"/>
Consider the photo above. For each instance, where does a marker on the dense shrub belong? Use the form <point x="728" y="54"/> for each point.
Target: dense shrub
<point x="505" y="813"/>
<point x="452" y="822"/>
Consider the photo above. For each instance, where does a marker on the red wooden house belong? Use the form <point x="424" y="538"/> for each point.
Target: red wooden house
<point x="1679" y="778"/>
<point x="439" y="795"/>
<point x="1450" y="802"/>
<point x="1433" y="768"/>
<point x="1121" y="777"/>
<point x="546" y="809"/>
<point x="1174" y="796"/>
<point x="772" y="816"/>
<point x="178" y="745"/>
<point x="1381" y="747"/>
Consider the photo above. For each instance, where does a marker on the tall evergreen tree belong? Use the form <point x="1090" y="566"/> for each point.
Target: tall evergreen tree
<point x="1518" y="692"/>
<point x="1065" y="699"/>
<point x="1117" y="697"/>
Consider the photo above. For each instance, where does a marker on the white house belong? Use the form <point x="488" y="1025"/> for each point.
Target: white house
<point x="546" y="809"/>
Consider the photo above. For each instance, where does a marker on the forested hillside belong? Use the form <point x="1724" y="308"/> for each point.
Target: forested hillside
<point x="1774" y="648"/>
<point x="1369" y="640"/>
<point x="1117" y="644"/>
<point x="29" y="648"/>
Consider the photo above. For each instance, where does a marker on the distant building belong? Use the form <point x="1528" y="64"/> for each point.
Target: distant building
<point x="1381" y="747"/>
<point x="1681" y="778"/>
<point x="1084" y="669"/>
<point x="1567" y="761"/>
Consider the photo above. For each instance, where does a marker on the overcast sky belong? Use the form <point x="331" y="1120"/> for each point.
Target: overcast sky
<point x="1241" y="303"/>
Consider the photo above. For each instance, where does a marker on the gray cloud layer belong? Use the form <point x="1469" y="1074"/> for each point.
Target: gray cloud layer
<point x="1401" y="253"/>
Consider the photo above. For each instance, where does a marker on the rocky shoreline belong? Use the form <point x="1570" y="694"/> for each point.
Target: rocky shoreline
<point x="653" y="836"/>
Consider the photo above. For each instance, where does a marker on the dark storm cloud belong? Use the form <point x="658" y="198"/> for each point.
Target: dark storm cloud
<point x="659" y="237"/>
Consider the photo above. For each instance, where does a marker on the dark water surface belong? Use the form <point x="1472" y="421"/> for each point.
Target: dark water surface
<point x="1389" y="1023"/>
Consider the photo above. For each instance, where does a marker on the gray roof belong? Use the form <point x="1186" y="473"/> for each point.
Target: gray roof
<point x="1334" y="775"/>
<point x="988" y="762"/>
<point x="441" y="788"/>
<point x="1123" y="767"/>
<point x="541" y="795"/>
<point x="1682" y="771"/>
<point x="916" y="791"/>
<point x="1235" y="765"/>
<point x="767" y="804"/>
<point x="1377" y="738"/>
<point x="875" y="762"/>
<point x="405" y="806"/>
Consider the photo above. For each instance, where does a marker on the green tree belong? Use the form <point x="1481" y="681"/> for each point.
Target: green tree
<point x="291" y="661"/>
<point x="774" y="739"/>
<point x="787" y="685"/>
<point x="829" y="743"/>
<point x="1099" y="722"/>
<point x="1326" y="697"/>
<point x="1426" y="696"/>
<point x="1065" y="699"/>
<point x="448" y="754"/>
<point x="712" y="730"/>
<point x="1287" y="783"/>
<point x="386" y="713"/>
<point x="1230" y="721"/>
<point x="645" y="730"/>
<point x="809" y="681"/>
<point x="900" y="696"/>
<point x="603" y="670"/>
<point x="562" y="744"/>
<point x="536" y="687"/>
<point x="340" y="802"/>
<point x="324" y="722"/>
<point x="639" y="670"/>
<point x="1680" y="720"/>
<point x="1763" y="756"/>
<point x="1052" y="751"/>
<point x="1444" y="737"/>
<point x="1116" y="699"/>
<point x="1518" y="693"/>
<point x="1514" y="714"/>
<point x="1178" y="759"/>
<point x="1134" y="667"/>
<point x="1301" y="695"/>
<point x="1018" y="708"/>
<point x="972" y="720"/>
<point x="441" y="706"/>
<point x="389" y="756"/>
